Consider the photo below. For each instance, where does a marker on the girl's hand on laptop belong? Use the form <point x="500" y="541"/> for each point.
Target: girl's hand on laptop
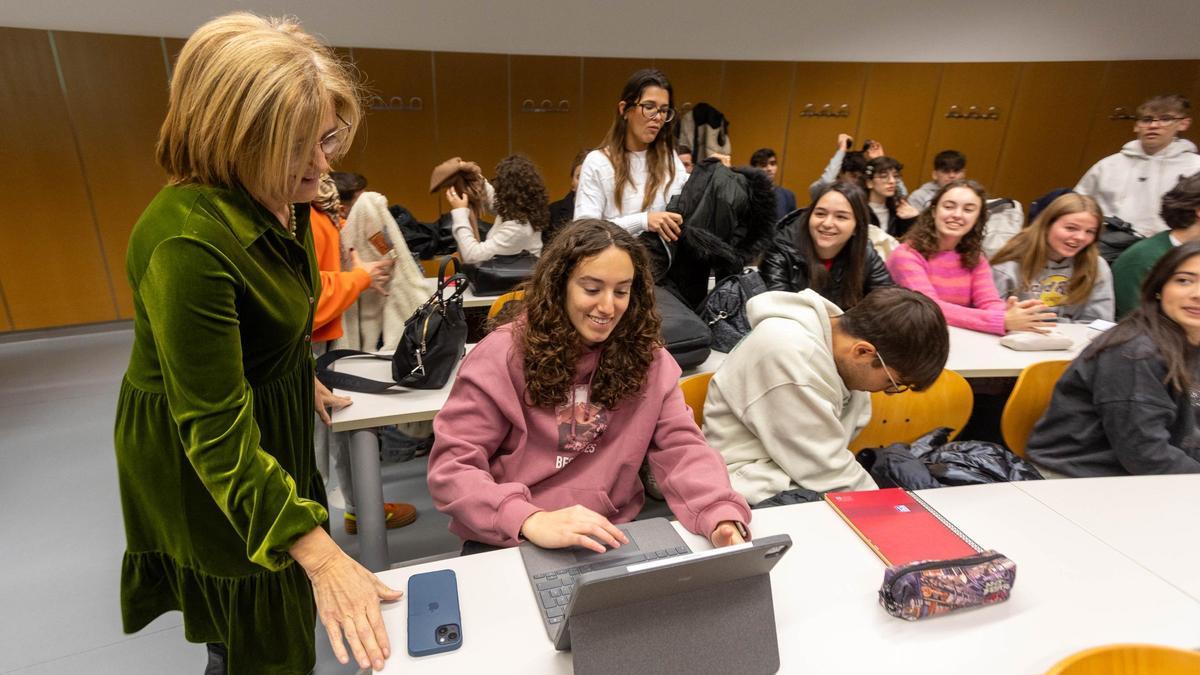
<point x="726" y="534"/>
<point x="572" y="526"/>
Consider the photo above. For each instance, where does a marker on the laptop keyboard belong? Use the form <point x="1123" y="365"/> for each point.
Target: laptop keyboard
<point x="554" y="588"/>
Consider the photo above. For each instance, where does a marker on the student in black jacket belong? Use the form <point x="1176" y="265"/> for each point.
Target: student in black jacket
<point x="888" y="210"/>
<point x="825" y="247"/>
<point x="563" y="210"/>
<point x="1128" y="404"/>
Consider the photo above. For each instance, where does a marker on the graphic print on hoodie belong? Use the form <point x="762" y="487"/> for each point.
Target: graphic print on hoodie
<point x="580" y="424"/>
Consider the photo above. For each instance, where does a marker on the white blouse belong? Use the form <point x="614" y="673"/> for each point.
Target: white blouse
<point x="507" y="237"/>
<point x="597" y="186"/>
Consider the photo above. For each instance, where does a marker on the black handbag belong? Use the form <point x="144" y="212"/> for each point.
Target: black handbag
<point x="724" y="310"/>
<point x="685" y="336"/>
<point x="501" y="274"/>
<point x="434" y="339"/>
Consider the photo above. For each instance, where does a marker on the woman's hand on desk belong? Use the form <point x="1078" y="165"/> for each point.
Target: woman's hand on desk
<point x="572" y="526"/>
<point x="347" y="597"/>
<point x="726" y="534"/>
<point x="323" y="400"/>
<point x="1029" y="315"/>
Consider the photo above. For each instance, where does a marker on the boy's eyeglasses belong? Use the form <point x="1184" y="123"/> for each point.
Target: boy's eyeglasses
<point x="1149" y="120"/>
<point x="896" y="387"/>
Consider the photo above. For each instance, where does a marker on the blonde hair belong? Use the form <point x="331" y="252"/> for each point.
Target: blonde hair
<point x="247" y="100"/>
<point x="1030" y="247"/>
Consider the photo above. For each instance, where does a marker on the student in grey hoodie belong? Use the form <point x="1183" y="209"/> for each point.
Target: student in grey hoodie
<point x="1056" y="260"/>
<point x="790" y="397"/>
<point x="948" y="166"/>
<point x="1128" y="404"/>
<point x="1131" y="183"/>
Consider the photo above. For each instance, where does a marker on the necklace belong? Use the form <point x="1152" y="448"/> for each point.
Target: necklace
<point x="291" y="226"/>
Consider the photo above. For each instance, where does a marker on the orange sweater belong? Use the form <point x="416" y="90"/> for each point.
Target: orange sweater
<point x="339" y="289"/>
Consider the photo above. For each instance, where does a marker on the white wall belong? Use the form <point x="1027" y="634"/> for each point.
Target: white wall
<point x="828" y="30"/>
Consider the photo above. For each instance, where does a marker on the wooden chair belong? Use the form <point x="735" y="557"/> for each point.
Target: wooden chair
<point x="1028" y="401"/>
<point x="905" y="417"/>
<point x="1129" y="659"/>
<point x="695" y="389"/>
<point x="499" y="303"/>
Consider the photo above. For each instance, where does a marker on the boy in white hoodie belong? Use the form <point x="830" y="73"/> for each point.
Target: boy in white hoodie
<point x="1131" y="183"/>
<point x="786" y="403"/>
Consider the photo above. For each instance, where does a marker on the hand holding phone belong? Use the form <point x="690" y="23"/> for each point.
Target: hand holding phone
<point x="434" y="624"/>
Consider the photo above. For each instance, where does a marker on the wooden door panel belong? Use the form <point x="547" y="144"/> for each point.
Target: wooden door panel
<point x="756" y="98"/>
<point x="472" y="109"/>
<point x="543" y="128"/>
<point x="51" y="266"/>
<point x="603" y="80"/>
<point x="694" y="81"/>
<point x="1045" y="137"/>
<point x="117" y="97"/>
<point x="897" y="111"/>
<point x="812" y="135"/>
<point x="396" y="147"/>
<point x="986" y="88"/>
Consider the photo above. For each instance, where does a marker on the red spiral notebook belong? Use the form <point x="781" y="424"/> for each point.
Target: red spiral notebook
<point x="900" y="527"/>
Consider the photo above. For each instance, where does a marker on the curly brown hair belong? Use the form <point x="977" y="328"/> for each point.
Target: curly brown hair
<point x="521" y="193"/>
<point x="549" y="342"/>
<point x="923" y="236"/>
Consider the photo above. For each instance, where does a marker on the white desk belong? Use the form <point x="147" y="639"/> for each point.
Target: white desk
<point x="396" y="406"/>
<point x="975" y="354"/>
<point x="1073" y="591"/>
<point x="1150" y="519"/>
<point x="469" y="297"/>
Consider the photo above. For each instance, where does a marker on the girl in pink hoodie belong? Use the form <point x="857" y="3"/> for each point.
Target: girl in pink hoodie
<point x="553" y="413"/>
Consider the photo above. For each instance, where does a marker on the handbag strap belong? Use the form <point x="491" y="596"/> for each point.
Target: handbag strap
<point x="442" y="271"/>
<point x="336" y="380"/>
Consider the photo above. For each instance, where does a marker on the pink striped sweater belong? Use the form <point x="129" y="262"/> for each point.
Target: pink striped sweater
<point x="968" y="298"/>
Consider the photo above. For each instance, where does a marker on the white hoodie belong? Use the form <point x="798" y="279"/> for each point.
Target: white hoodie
<point x="1130" y="184"/>
<point x="777" y="408"/>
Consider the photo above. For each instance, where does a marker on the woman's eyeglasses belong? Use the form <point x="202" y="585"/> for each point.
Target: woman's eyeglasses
<point x="650" y="110"/>
<point x="332" y="143"/>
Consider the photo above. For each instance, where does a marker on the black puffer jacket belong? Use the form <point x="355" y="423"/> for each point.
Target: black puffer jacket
<point x="728" y="221"/>
<point x="784" y="268"/>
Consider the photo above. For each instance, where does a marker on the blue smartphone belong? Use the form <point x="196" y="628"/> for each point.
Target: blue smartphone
<point x="434" y="624"/>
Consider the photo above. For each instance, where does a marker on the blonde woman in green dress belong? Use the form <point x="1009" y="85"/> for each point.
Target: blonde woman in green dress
<point x="223" y="505"/>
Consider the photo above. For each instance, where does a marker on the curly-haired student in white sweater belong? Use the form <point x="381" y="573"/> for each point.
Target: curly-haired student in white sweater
<point x="522" y="210"/>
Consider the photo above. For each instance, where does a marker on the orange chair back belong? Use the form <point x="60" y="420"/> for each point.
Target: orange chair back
<point x="1028" y="401"/>
<point x="905" y="417"/>
<point x="499" y="303"/>
<point x="1129" y="659"/>
<point x="695" y="390"/>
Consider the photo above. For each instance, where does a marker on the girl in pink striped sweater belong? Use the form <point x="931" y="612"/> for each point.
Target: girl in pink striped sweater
<point x="942" y="257"/>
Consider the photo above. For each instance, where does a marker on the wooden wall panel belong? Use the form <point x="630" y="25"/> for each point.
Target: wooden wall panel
<point x="396" y="148"/>
<point x="603" y="80"/>
<point x="1041" y="151"/>
<point x="1126" y="85"/>
<point x="5" y="317"/>
<point x="51" y="266"/>
<point x="472" y="109"/>
<point x="897" y="111"/>
<point x="117" y="97"/>
<point x="972" y="84"/>
<point x="756" y="98"/>
<point x="550" y="139"/>
<point x="694" y="81"/>
<point x="812" y="140"/>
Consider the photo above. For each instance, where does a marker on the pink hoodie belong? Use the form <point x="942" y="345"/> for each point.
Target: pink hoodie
<point x="496" y="460"/>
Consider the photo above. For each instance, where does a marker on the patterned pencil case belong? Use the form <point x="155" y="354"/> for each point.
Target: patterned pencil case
<point x="929" y="587"/>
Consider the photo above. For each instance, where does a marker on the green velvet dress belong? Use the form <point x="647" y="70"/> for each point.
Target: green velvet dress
<point x="214" y="429"/>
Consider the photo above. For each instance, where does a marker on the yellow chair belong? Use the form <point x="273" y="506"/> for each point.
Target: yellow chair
<point x="499" y="303"/>
<point x="1129" y="659"/>
<point x="695" y="389"/>
<point x="430" y="267"/>
<point x="905" y="417"/>
<point x="1028" y="402"/>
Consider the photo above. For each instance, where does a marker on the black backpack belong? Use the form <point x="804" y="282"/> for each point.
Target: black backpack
<point x="684" y="335"/>
<point x="724" y="310"/>
<point x="423" y="239"/>
<point x="1116" y="235"/>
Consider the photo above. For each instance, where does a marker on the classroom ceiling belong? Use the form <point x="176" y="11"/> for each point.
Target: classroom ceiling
<point x="839" y="30"/>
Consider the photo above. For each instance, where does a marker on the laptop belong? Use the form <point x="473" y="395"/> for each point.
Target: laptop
<point x="553" y="573"/>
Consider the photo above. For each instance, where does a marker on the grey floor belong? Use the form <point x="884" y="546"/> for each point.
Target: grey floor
<point x="62" y="539"/>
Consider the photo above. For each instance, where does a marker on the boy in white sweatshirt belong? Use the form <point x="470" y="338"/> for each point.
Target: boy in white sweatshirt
<point x="786" y="403"/>
<point x="1131" y="183"/>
